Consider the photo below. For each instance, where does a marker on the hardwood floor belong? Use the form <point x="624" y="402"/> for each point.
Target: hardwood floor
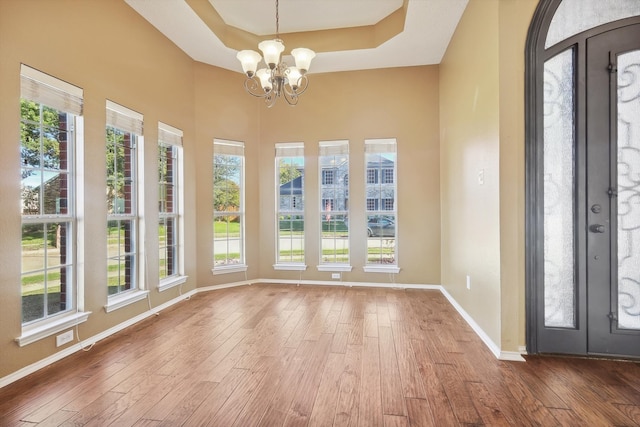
<point x="281" y="355"/>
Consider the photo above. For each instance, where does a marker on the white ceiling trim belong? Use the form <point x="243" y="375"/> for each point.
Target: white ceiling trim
<point x="429" y="27"/>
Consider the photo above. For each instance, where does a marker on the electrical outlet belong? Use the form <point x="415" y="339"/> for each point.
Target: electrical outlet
<point x="481" y="177"/>
<point x="468" y="282"/>
<point x="64" y="338"/>
<point x="335" y="275"/>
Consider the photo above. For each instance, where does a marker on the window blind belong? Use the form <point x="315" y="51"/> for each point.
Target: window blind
<point x="123" y="118"/>
<point x="233" y="148"/>
<point x="290" y="149"/>
<point x="50" y="91"/>
<point x="333" y="148"/>
<point x="379" y="146"/>
<point x="169" y="135"/>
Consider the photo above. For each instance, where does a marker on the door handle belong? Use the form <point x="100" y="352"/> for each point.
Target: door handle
<point x="596" y="228"/>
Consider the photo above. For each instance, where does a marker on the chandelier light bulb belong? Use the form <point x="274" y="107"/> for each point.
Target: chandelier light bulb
<point x="265" y="79"/>
<point x="293" y="76"/>
<point x="303" y="57"/>
<point x="271" y="49"/>
<point x="249" y="60"/>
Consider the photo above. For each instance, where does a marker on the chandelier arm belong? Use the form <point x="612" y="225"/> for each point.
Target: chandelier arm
<point x="303" y="85"/>
<point x="290" y="97"/>
<point x="252" y="87"/>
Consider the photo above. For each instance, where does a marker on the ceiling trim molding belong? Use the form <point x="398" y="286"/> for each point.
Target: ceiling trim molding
<point x="339" y="39"/>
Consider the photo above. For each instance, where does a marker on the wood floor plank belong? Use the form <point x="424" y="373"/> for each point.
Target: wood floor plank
<point x="324" y="407"/>
<point x="420" y="414"/>
<point x="459" y="398"/>
<point x="395" y="421"/>
<point x="439" y="403"/>
<point x="274" y="355"/>
<point x="486" y="405"/>
<point x="302" y="404"/>
<point x="412" y="385"/>
<point x="350" y="389"/>
<point x="392" y="393"/>
<point x="370" y="405"/>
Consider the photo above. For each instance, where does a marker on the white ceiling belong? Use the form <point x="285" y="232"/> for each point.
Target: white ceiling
<point x="428" y="28"/>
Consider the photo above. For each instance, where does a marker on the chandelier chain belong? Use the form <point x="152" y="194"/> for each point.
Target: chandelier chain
<point x="277" y="21"/>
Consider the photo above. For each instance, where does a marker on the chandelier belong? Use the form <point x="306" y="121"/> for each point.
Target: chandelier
<point x="277" y="79"/>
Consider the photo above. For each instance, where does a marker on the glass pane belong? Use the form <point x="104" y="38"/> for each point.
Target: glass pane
<point x="559" y="280"/>
<point x="57" y="245"/>
<point x="381" y="242"/>
<point x="335" y="239"/>
<point x="33" y="296"/>
<point x="629" y="190"/>
<point x="291" y="238"/>
<point x="34" y="244"/>
<point x="575" y="16"/>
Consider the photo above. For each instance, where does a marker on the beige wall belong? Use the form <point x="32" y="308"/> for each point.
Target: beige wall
<point x="355" y="106"/>
<point x="482" y="132"/>
<point x="107" y="49"/>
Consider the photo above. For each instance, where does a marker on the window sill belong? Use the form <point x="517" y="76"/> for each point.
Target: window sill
<point x="227" y="269"/>
<point x="334" y="267"/>
<point x="48" y="328"/>
<point x="381" y="269"/>
<point x="118" y="301"/>
<point x="172" y="282"/>
<point x="290" y="267"/>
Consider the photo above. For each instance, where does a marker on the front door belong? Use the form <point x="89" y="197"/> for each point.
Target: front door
<point x="611" y="199"/>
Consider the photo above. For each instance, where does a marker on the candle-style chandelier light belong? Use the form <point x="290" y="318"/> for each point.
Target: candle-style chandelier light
<point x="277" y="79"/>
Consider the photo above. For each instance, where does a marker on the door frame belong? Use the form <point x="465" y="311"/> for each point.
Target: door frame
<point x="538" y="336"/>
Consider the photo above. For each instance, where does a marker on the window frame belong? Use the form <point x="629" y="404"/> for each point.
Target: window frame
<point x="375" y="197"/>
<point x="334" y="153"/>
<point x="230" y="148"/>
<point x="128" y="122"/>
<point x="171" y="137"/>
<point x="292" y="155"/>
<point x="65" y="98"/>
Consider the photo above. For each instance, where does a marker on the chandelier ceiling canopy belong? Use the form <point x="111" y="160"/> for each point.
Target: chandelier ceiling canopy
<point x="277" y="79"/>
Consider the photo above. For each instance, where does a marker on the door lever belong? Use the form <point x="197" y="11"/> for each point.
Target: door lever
<point x="596" y="228"/>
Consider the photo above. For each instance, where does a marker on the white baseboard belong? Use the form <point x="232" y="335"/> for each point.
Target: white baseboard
<point x="21" y="373"/>
<point x="27" y="370"/>
<point x="493" y="347"/>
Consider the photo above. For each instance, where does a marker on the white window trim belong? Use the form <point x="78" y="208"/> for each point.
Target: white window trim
<point x="290" y="266"/>
<point x="47" y="90"/>
<point x="180" y="278"/>
<point x="228" y="269"/>
<point x="335" y="267"/>
<point x="172" y="282"/>
<point x="124" y="299"/>
<point x="233" y="148"/>
<point x="377" y="268"/>
<point x="46" y="329"/>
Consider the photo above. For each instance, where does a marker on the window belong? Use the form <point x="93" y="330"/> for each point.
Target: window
<point x="372" y="176"/>
<point x="290" y="206"/>
<point x="380" y="159"/>
<point x="228" y="206"/>
<point x="387" y="176"/>
<point x="50" y="115"/>
<point x="50" y="140"/>
<point x="334" y="204"/>
<point x="327" y="177"/>
<point x="170" y="225"/>
<point x="123" y="141"/>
